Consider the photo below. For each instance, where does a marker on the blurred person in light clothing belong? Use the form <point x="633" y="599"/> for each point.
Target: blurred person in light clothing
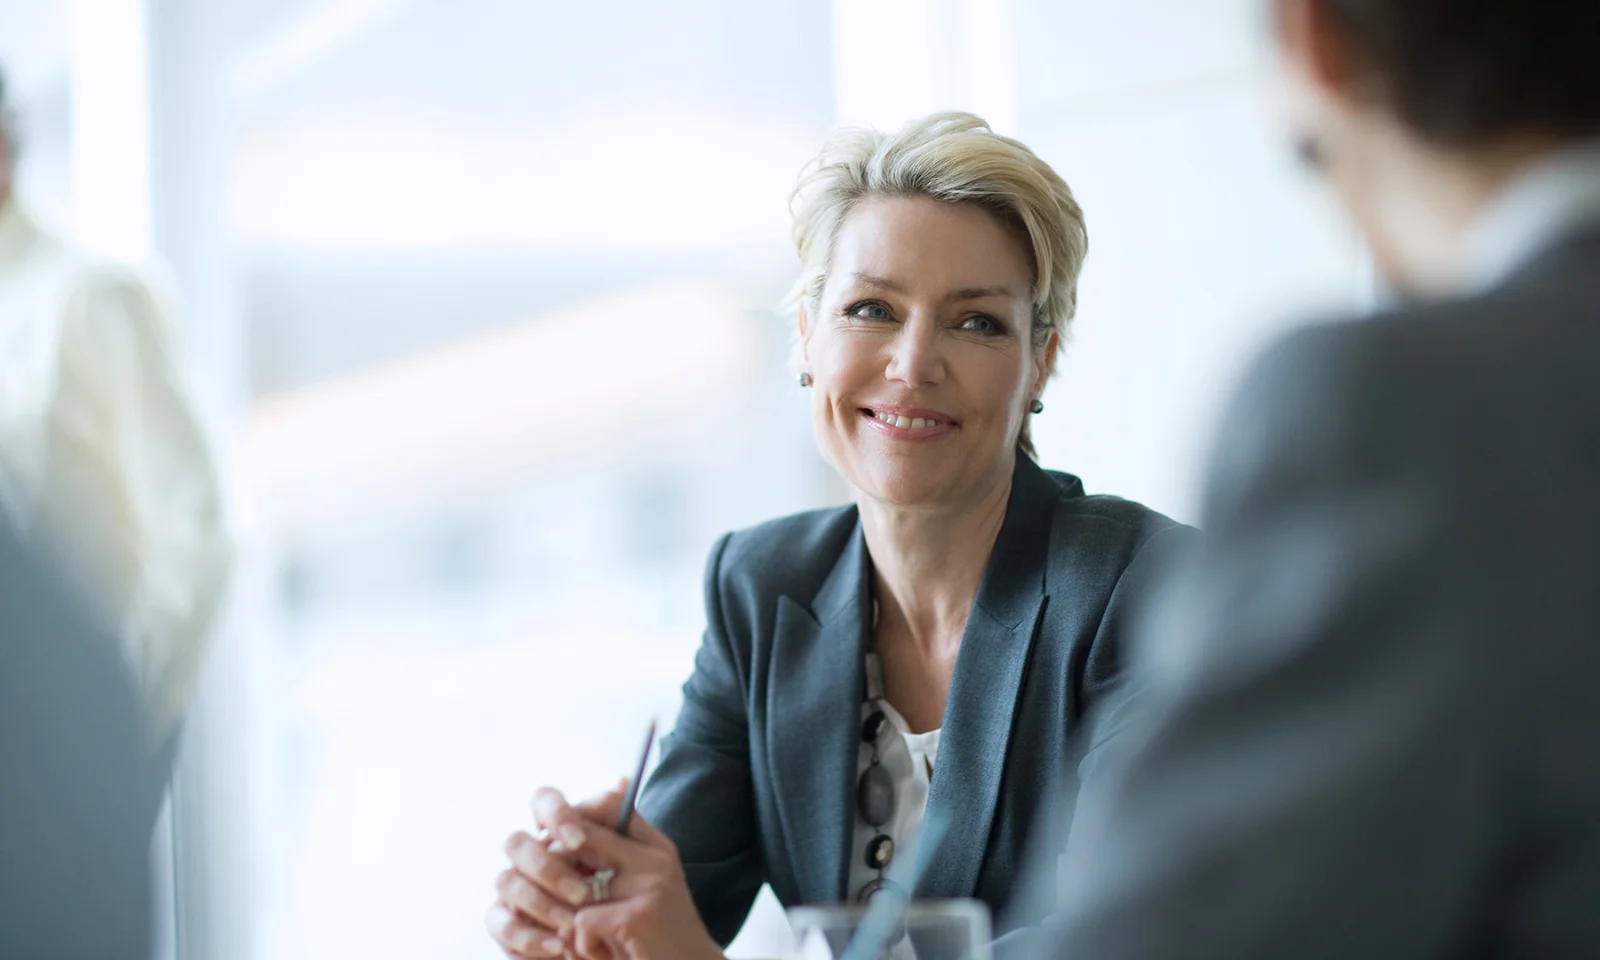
<point x="934" y="646"/>
<point x="101" y="453"/>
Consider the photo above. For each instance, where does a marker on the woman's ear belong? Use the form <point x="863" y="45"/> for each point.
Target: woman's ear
<point x="1046" y="360"/>
<point x="802" y="326"/>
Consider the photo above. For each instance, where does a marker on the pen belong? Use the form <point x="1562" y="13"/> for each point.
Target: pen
<point x="633" y="788"/>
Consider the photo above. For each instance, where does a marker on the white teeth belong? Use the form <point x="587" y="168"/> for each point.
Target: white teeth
<point x="905" y="423"/>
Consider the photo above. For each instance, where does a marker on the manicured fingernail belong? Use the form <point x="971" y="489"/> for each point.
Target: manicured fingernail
<point x="554" y="947"/>
<point x="575" y="892"/>
<point x="556" y="846"/>
<point x="548" y="804"/>
<point x="571" y="836"/>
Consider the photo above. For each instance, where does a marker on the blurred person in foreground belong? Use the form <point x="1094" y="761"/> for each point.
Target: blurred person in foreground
<point x="1374" y="725"/>
<point x="939" y="275"/>
<point x="78" y="785"/>
<point x="101" y="453"/>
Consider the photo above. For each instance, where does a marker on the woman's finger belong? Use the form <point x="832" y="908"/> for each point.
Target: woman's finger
<point x="605" y="808"/>
<point x="601" y="811"/>
<point x="550" y="871"/>
<point x="603" y="931"/>
<point x="639" y="831"/>
<point x="520" y="937"/>
<point x="566" y="826"/>
<point x="605" y="848"/>
<point x="551" y="812"/>
<point x="518" y="893"/>
<point x="645" y="832"/>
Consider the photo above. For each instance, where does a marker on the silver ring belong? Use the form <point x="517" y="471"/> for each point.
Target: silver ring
<point x="600" y="885"/>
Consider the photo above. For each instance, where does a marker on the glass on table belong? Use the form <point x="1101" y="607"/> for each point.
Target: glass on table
<point x="929" y="930"/>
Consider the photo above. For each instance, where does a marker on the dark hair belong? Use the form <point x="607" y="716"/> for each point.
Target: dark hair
<point x="1464" y="73"/>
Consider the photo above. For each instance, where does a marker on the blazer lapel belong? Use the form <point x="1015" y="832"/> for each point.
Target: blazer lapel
<point x="981" y="710"/>
<point x="813" y="714"/>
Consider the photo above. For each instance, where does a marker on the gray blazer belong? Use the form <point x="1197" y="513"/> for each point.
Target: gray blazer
<point x="1376" y="726"/>
<point x="757" y="782"/>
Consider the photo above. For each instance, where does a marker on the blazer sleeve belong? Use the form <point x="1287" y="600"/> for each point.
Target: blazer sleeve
<point x="1313" y="780"/>
<point x="1110" y="703"/>
<point x="700" y="794"/>
<point x="1112" y="698"/>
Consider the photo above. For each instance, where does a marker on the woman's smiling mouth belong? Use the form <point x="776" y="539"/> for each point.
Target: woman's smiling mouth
<point x="909" y="423"/>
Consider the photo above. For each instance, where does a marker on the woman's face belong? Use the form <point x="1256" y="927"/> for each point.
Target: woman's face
<point x="920" y="352"/>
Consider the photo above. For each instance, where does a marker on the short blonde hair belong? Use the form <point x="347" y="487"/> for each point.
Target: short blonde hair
<point x="950" y="158"/>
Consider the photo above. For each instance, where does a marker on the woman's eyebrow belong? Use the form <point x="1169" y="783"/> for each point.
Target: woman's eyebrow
<point x="954" y="296"/>
<point x="976" y="293"/>
<point x="883" y="283"/>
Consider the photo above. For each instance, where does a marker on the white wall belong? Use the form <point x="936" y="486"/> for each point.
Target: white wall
<point x="1205" y="240"/>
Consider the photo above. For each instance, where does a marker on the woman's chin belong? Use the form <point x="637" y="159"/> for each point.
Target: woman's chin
<point x="908" y="489"/>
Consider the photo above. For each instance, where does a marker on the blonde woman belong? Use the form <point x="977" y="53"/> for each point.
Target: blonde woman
<point x="938" y="643"/>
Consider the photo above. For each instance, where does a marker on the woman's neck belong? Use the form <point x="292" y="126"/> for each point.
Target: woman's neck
<point x="929" y="562"/>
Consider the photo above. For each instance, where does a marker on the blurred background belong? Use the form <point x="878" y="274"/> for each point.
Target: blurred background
<point x="483" y="300"/>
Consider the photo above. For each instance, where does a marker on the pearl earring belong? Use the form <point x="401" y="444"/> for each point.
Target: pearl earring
<point x="1037" y="406"/>
<point x="805" y="379"/>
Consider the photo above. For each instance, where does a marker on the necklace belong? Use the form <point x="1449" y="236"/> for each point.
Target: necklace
<point x="875" y="795"/>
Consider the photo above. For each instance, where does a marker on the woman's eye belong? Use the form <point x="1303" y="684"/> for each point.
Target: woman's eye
<point x="982" y="324"/>
<point x="870" y="311"/>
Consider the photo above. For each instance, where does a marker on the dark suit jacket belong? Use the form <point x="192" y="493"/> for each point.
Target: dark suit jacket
<point x="757" y="782"/>
<point x="78" y="789"/>
<point x="1376" y="700"/>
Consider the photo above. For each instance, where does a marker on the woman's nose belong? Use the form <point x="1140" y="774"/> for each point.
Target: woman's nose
<point x="915" y="356"/>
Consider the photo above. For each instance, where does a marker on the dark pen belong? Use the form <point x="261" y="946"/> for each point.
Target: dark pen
<point x="632" y="796"/>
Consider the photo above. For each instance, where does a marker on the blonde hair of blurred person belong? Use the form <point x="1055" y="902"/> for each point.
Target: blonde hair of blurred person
<point x="939" y="267"/>
<point x="102" y="456"/>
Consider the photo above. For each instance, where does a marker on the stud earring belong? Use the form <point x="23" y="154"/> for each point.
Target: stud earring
<point x="1037" y="406"/>
<point x="805" y="379"/>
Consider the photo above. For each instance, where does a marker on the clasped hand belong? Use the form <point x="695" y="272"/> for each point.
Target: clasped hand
<point x="544" y="905"/>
